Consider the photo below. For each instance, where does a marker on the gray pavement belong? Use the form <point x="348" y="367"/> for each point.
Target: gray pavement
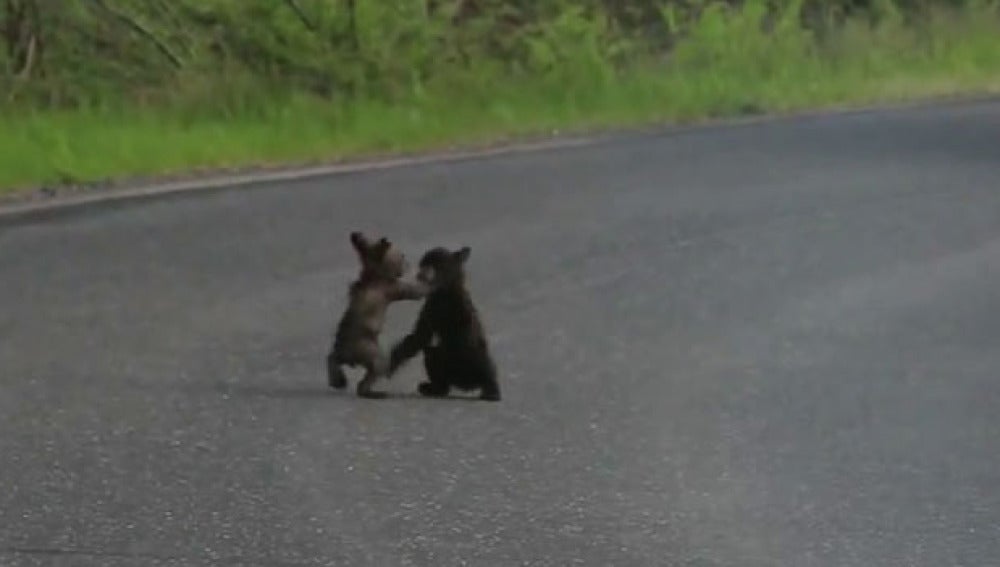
<point x="765" y="345"/>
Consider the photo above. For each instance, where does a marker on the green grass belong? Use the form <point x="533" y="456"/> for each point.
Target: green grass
<point x="725" y="67"/>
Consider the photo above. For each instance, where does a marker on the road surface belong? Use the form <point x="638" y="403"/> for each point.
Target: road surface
<point x="760" y="345"/>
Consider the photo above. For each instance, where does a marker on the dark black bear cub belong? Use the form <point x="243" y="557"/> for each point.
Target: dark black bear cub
<point x="449" y="332"/>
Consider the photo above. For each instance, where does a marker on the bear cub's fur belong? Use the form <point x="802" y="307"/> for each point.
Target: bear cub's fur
<point x="356" y="341"/>
<point x="448" y="331"/>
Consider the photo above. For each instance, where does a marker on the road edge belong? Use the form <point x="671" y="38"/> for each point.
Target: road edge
<point x="33" y="210"/>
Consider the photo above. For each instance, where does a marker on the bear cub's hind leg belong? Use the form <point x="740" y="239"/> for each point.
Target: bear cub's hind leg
<point x="436" y="366"/>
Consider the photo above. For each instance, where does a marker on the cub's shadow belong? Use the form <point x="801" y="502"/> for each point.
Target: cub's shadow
<point x="319" y="392"/>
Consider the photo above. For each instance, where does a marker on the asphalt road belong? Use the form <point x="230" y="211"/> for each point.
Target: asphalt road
<point x="763" y="345"/>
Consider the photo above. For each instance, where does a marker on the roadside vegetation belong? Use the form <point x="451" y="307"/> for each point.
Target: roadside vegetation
<point x="99" y="89"/>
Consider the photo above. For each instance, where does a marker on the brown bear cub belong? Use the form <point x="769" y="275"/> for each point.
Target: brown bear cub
<point x="356" y="341"/>
<point x="460" y="358"/>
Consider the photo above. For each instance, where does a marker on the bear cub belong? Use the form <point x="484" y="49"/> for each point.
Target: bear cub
<point x="356" y="340"/>
<point x="448" y="332"/>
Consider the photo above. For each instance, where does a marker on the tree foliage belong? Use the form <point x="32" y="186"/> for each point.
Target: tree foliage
<point x="76" y="52"/>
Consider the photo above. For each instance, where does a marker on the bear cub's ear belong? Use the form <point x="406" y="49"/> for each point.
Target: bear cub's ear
<point x="463" y="254"/>
<point x="359" y="241"/>
<point x="381" y="247"/>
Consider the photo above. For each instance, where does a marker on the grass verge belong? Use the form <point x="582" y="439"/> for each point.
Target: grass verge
<point x="726" y="66"/>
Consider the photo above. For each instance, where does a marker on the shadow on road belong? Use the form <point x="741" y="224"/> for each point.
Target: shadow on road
<point x="319" y="392"/>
